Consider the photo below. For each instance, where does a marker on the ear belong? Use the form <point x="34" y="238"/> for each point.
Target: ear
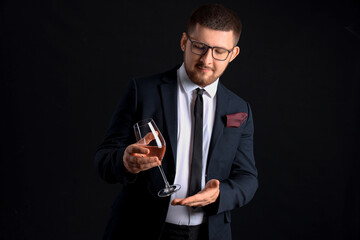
<point x="234" y="53"/>
<point x="183" y="42"/>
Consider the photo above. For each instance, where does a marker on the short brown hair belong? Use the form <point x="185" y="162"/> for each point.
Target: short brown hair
<point x="216" y="17"/>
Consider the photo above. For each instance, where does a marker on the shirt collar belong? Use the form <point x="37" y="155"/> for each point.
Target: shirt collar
<point x="189" y="86"/>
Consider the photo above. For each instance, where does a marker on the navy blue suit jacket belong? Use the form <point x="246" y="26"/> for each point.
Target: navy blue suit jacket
<point x="138" y="212"/>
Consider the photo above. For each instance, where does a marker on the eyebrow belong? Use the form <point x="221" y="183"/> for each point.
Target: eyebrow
<point x="214" y="46"/>
<point x="229" y="49"/>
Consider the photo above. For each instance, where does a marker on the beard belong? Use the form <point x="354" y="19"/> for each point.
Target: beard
<point x="202" y="78"/>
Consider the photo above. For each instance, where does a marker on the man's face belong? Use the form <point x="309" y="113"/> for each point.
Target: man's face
<point x="204" y="69"/>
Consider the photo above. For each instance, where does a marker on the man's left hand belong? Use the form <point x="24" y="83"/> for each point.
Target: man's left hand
<point x="205" y="197"/>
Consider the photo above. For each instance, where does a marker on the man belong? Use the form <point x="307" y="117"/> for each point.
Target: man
<point x="226" y="177"/>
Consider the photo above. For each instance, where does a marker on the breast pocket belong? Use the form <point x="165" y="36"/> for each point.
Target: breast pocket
<point x="232" y="131"/>
<point x="231" y="136"/>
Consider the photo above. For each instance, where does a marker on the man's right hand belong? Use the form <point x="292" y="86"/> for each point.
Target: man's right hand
<point x="135" y="159"/>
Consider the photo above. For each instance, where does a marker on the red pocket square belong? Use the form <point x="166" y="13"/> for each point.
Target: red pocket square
<point x="235" y="120"/>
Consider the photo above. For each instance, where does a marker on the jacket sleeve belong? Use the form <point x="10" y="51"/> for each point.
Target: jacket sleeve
<point x="109" y="154"/>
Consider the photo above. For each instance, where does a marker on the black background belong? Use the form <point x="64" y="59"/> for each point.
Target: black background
<point x="64" y="65"/>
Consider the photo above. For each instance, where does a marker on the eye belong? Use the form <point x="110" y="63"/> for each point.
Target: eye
<point x="220" y="51"/>
<point x="199" y="46"/>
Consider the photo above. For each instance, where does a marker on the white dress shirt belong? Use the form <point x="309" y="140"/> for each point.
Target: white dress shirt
<point x="186" y="93"/>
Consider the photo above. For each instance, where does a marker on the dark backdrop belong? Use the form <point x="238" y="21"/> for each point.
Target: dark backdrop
<point x="64" y="65"/>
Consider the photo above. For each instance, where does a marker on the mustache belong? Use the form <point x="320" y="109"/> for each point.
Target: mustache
<point x="200" y="65"/>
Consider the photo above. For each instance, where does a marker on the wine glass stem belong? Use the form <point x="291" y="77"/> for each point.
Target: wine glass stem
<point x="164" y="177"/>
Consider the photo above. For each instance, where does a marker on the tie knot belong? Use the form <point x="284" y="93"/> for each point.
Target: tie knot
<point x="200" y="91"/>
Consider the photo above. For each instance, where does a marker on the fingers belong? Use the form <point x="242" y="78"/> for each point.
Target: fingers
<point x="135" y="159"/>
<point x="191" y="202"/>
<point x="206" y="196"/>
<point x="181" y="201"/>
<point x="135" y="149"/>
<point x="176" y="201"/>
<point x="137" y="164"/>
<point x="136" y="168"/>
<point x="147" y="139"/>
<point x="142" y="162"/>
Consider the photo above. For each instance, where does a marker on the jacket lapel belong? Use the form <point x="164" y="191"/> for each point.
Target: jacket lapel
<point x="169" y="100"/>
<point x="168" y="92"/>
<point x="222" y="101"/>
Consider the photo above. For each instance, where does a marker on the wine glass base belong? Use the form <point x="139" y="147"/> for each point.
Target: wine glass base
<point x="165" y="192"/>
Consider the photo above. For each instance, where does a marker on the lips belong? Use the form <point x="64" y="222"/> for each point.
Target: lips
<point x="204" y="68"/>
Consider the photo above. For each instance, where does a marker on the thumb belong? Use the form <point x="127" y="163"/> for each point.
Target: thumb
<point x="147" y="139"/>
<point x="213" y="183"/>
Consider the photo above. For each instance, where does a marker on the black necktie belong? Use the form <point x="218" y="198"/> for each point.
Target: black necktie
<point x="196" y="162"/>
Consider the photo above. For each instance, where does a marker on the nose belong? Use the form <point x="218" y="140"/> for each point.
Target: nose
<point x="207" y="58"/>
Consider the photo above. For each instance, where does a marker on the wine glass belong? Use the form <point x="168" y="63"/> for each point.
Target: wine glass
<point x="149" y="136"/>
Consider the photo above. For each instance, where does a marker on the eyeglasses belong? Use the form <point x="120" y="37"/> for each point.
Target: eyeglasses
<point x="218" y="53"/>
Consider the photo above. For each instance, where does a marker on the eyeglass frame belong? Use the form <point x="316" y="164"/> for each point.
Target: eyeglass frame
<point x="207" y="49"/>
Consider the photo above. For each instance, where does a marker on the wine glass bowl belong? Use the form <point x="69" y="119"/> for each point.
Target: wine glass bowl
<point x="149" y="136"/>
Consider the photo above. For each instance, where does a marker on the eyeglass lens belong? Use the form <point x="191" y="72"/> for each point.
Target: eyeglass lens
<point x="217" y="53"/>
